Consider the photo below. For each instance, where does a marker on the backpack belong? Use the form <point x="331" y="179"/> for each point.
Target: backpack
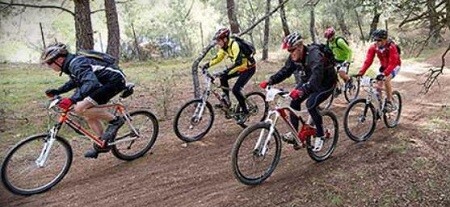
<point x="245" y="46"/>
<point x="104" y="57"/>
<point x="337" y="45"/>
<point x="327" y="54"/>
<point x="398" y="47"/>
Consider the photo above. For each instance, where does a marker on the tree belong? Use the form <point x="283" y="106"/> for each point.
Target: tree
<point x="231" y="11"/>
<point x="265" y="52"/>
<point x="283" y="19"/>
<point x="113" y="28"/>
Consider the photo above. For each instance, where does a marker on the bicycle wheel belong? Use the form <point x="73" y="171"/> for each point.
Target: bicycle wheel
<point x="391" y="118"/>
<point x="257" y="107"/>
<point x="193" y="120"/>
<point x="331" y="129"/>
<point x="250" y="166"/>
<point x="129" y="145"/>
<point x="359" y="120"/>
<point x="20" y="171"/>
<point x="352" y="93"/>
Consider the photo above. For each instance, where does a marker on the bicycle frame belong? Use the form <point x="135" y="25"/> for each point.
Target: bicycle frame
<point x="373" y="93"/>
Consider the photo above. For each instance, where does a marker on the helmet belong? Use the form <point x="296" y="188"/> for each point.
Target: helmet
<point x="329" y="33"/>
<point x="379" y="34"/>
<point x="221" y="33"/>
<point x="292" y="40"/>
<point x="53" y="51"/>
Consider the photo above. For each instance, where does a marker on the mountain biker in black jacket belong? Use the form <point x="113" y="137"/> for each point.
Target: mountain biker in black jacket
<point x="317" y="80"/>
<point x="95" y="83"/>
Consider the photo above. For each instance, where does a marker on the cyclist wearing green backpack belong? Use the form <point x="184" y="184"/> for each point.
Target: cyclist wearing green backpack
<point x="342" y="53"/>
<point x="243" y="66"/>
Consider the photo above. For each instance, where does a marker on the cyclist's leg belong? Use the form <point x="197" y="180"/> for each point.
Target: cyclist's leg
<point x="243" y="79"/>
<point x="224" y="83"/>
<point x="314" y="100"/>
<point x="296" y="105"/>
<point x="388" y="84"/>
<point x="92" y="115"/>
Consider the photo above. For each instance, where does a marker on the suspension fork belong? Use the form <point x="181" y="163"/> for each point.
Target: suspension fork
<point x="263" y="141"/>
<point x="51" y="137"/>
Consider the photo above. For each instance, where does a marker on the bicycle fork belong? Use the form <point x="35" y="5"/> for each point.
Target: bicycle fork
<point x="263" y="140"/>
<point x="40" y="161"/>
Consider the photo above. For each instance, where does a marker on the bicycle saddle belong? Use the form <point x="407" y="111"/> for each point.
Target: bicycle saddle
<point x="129" y="89"/>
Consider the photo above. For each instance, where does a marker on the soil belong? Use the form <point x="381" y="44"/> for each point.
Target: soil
<point x="405" y="166"/>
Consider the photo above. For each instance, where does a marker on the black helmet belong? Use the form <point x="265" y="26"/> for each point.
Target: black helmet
<point x="379" y="34"/>
<point x="292" y="40"/>
<point x="53" y="51"/>
<point x="221" y="33"/>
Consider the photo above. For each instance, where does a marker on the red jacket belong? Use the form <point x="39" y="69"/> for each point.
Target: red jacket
<point x="389" y="58"/>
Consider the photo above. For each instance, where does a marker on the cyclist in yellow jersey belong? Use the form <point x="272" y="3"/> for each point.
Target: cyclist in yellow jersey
<point x="243" y="67"/>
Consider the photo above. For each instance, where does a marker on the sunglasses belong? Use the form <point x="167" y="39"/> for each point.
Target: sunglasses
<point x="292" y="49"/>
<point x="378" y="40"/>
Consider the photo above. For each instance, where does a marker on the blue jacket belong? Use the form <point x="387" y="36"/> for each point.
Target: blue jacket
<point x="87" y="75"/>
<point x="315" y="75"/>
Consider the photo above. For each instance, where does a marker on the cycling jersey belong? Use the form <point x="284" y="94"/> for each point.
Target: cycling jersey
<point x="388" y="56"/>
<point x="87" y="75"/>
<point x="341" y="50"/>
<point x="232" y="50"/>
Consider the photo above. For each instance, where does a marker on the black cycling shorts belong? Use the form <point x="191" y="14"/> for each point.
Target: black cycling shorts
<point x="106" y="92"/>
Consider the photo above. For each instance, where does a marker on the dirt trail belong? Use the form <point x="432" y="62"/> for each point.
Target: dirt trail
<point x="374" y="173"/>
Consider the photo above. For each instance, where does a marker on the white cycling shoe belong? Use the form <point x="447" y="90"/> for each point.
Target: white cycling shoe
<point x="318" y="144"/>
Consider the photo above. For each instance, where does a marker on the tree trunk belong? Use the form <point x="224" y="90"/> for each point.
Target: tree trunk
<point x="265" y="52"/>
<point x="433" y="18"/>
<point x="374" y="24"/>
<point x="112" y="23"/>
<point x="358" y="19"/>
<point x="340" y="17"/>
<point x="231" y="11"/>
<point x="312" y="27"/>
<point x="284" y="19"/>
<point x="83" y="25"/>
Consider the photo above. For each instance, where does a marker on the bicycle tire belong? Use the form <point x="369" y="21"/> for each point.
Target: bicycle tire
<point x="367" y="114"/>
<point x="331" y="127"/>
<point x="254" y="107"/>
<point x="238" y="156"/>
<point x="352" y="94"/>
<point x="203" y="131"/>
<point x="146" y="124"/>
<point x="32" y="151"/>
<point x="397" y="101"/>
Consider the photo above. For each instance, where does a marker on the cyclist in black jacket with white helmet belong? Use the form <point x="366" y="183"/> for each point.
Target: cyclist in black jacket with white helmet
<point x="318" y="79"/>
<point x="95" y="81"/>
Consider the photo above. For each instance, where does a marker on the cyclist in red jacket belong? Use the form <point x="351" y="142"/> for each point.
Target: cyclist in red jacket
<point x="389" y="57"/>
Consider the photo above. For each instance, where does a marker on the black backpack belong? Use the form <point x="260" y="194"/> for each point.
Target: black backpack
<point x="245" y="46"/>
<point x="398" y="47"/>
<point x="107" y="58"/>
<point x="328" y="56"/>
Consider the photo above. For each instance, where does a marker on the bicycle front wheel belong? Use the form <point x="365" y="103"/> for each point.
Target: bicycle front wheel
<point x="331" y="129"/>
<point x="360" y="120"/>
<point x="25" y="171"/>
<point x="135" y="139"/>
<point x="257" y="107"/>
<point x="391" y="118"/>
<point x="193" y="120"/>
<point x="252" y="161"/>
<point x="352" y="92"/>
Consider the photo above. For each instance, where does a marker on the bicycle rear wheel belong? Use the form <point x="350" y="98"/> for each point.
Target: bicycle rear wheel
<point x="250" y="166"/>
<point x="353" y="92"/>
<point x="331" y="129"/>
<point x="257" y="107"/>
<point x="129" y="145"/>
<point x="359" y="120"/>
<point x="193" y="120"/>
<point x="391" y="118"/>
<point x="20" y="172"/>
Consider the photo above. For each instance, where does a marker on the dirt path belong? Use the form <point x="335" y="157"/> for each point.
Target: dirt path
<point x="382" y="171"/>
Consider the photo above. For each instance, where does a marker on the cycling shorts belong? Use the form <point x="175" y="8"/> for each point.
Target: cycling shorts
<point x="103" y="94"/>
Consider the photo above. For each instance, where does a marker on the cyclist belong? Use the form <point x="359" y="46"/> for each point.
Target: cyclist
<point x="243" y="67"/>
<point x="318" y="80"/>
<point x="342" y="53"/>
<point x="95" y="82"/>
<point x="389" y="57"/>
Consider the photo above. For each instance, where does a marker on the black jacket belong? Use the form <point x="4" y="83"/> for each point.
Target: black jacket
<point x="315" y="74"/>
<point x="87" y="75"/>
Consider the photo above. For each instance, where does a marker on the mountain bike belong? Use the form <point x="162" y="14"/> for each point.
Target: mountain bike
<point x="350" y="93"/>
<point x="361" y="115"/>
<point x="257" y="149"/>
<point x="195" y="118"/>
<point x="39" y="162"/>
